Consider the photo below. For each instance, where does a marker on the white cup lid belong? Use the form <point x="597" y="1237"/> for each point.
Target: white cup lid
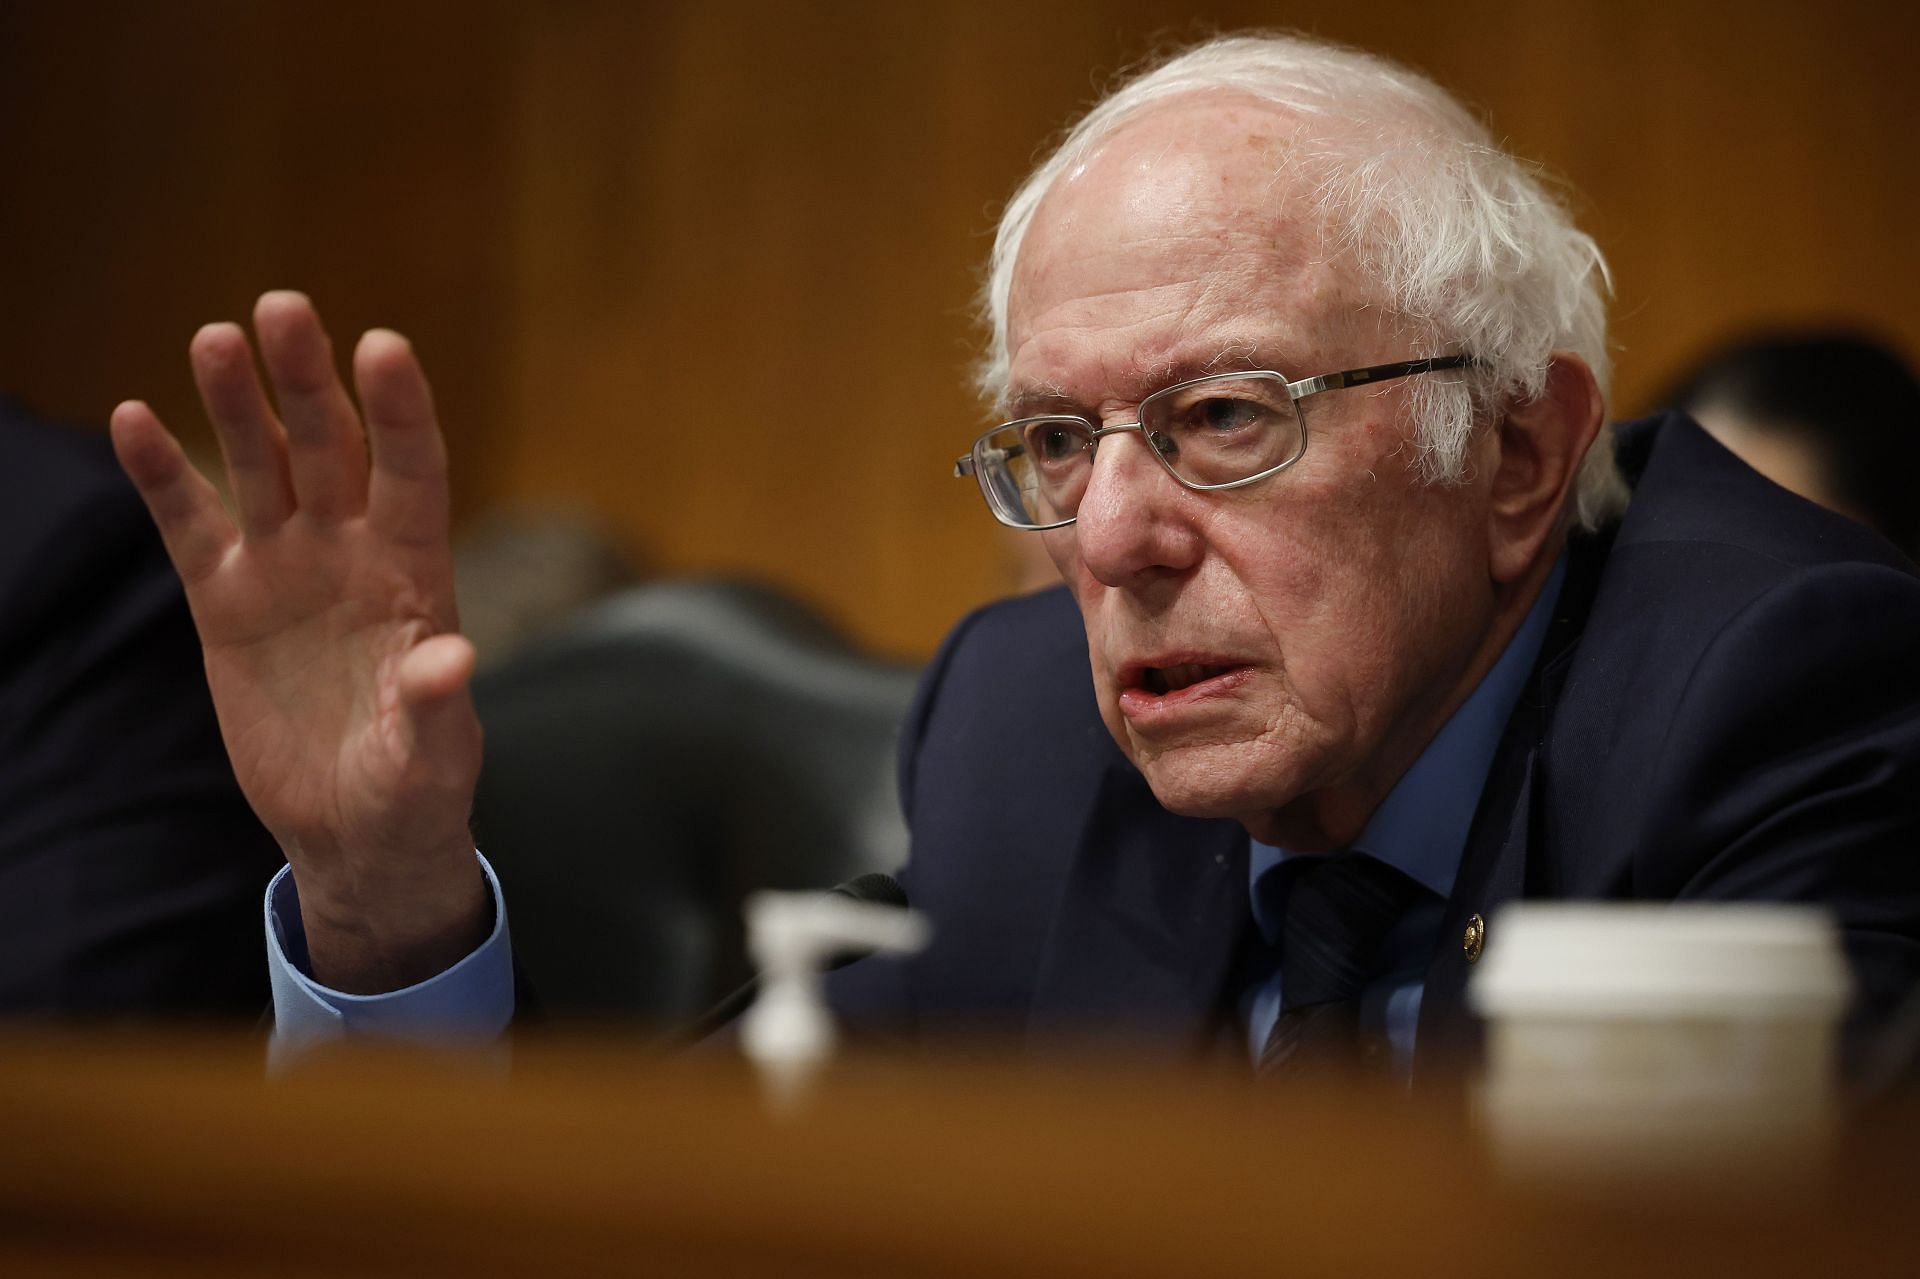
<point x="1606" y="959"/>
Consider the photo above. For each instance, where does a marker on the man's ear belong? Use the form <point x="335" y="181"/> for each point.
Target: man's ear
<point x="1541" y="444"/>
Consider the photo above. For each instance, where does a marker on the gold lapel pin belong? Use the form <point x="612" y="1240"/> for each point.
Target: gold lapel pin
<point x="1476" y="937"/>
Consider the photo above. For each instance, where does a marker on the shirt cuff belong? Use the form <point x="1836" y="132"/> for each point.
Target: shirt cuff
<point x="473" y="1000"/>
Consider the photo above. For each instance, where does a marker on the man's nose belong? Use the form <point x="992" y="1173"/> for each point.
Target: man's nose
<point x="1135" y="520"/>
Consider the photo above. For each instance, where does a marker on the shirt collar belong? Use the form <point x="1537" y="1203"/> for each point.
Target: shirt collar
<point x="1421" y="826"/>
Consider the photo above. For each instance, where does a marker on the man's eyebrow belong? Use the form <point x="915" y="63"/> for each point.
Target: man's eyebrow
<point x="1236" y="357"/>
<point x="1038" y="401"/>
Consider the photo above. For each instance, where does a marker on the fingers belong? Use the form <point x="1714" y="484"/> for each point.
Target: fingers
<point x="250" y="437"/>
<point x="326" y="452"/>
<point x="407" y="493"/>
<point x="193" y="524"/>
<point x="313" y="455"/>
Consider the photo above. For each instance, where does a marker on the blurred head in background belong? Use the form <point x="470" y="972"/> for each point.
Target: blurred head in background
<point x="524" y="573"/>
<point x="1833" y="416"/>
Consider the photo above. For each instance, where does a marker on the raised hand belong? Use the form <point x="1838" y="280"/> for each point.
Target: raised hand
<point x="328" y="620"/>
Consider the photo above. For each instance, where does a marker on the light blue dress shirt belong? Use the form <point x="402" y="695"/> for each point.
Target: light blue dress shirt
<point x="472" y="1000"/>
<point x="1421" y="830"/>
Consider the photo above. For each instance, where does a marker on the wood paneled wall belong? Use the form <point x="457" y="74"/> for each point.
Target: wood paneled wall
<point x="706" y="268"/>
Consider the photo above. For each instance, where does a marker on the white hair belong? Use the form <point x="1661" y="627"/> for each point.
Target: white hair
<point x="1468" y="247"/>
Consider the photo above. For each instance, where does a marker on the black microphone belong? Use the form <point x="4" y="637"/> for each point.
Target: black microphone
<point x="1891" y="1058"/>
<point x="881" y="890"/>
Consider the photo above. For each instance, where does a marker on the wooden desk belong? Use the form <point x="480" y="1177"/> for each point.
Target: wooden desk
<point x="174" y="1156"/>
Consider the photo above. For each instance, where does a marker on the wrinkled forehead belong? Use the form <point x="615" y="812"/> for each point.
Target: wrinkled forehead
<point x="1210" y="189"/>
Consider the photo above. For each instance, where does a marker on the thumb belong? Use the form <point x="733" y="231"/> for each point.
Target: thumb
<point x="433" y="690"/>
<point x="435" y="670"/>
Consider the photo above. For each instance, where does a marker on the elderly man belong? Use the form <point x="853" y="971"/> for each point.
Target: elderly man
<point x="1305" y="380"/>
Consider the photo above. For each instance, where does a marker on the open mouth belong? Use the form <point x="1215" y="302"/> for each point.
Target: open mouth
<point x="1171" y="679"/>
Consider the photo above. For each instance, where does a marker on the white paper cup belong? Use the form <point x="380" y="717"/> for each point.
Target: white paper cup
<point x="1666" y="1044"/>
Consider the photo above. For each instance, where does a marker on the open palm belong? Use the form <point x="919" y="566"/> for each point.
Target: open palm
<point x="328" y="620"/>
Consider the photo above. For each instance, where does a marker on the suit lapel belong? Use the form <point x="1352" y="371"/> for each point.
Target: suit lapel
<point x="1493" y="872"/>
<point x="1502" y="861"/>
<point x="1146" y="933"/>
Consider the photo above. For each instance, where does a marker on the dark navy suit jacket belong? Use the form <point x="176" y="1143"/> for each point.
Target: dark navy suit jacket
<point x="130" y="865"/>
<point x="1727" y="708"/>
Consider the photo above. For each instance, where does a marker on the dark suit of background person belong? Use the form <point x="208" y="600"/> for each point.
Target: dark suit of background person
<point x="1726" y="707"/>
<point x="130" y="866"/>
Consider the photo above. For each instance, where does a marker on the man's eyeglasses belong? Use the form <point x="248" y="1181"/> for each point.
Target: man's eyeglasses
<point x="1216" y="432"/>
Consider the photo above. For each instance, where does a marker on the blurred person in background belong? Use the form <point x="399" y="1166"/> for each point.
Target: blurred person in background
<point x="129" y="861"/>
<point x="1833" y="416"/>
<point x="1370" y="623"/>
<point x="525" y="574"/>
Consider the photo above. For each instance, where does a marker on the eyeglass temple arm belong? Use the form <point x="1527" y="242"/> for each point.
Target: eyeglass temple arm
<point x="964" y="466"/>
<point x="1376" y="373"/>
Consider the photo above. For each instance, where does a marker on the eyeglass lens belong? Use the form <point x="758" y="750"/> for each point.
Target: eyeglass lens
<point x="1212" y="432"/>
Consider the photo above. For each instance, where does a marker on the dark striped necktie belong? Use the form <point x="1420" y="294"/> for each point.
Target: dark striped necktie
<point x="1338" y="913"/>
